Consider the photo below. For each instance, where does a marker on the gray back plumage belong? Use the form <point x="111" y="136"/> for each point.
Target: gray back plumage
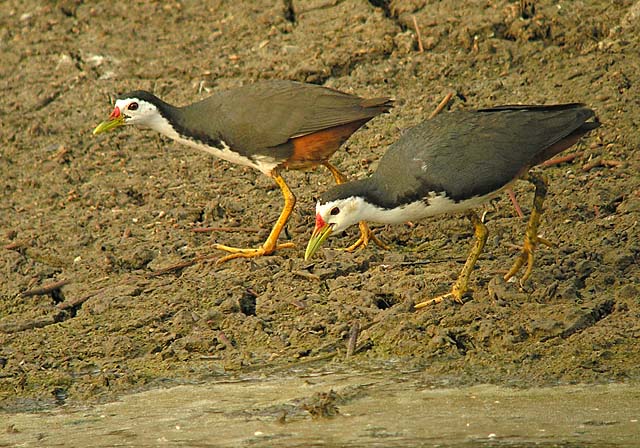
<point x="259" y="119"/>
<point x="468" y="153"/>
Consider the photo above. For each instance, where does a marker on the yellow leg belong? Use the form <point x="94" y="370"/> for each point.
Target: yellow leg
<point x="366" y="234"/>
<point x="337" y="175"/>
<point x="271" y="244"/>
<point x="531" y="238"/>
<point x="461" y="286"/>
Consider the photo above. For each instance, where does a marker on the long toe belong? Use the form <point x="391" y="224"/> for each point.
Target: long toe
<point x="239" y="252"/>
<point x="378" y="242"/>
<point x="531" y="238"/>
<point x="455" y="294"/>
<point x="526" y="257"/>
<point x="366" y="236"/>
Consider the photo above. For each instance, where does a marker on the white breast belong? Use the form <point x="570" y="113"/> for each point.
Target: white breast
<point x="437" y="204"/>
<point x="261" y="163"/>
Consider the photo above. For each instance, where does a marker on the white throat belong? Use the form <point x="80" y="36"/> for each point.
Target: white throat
<point x="355" y="209"/>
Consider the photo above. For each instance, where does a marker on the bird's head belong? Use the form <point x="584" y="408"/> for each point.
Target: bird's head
<point x="136" y="108"/>
<point x="331" y="217"/>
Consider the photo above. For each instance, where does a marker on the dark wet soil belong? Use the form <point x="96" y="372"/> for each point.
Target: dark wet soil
<point x="102" y="218"/>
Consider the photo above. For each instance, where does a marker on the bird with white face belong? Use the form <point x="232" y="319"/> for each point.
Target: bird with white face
<point x="133" y="111"/>
<point x="454" y="163"/>
<point x="271" y="126"/>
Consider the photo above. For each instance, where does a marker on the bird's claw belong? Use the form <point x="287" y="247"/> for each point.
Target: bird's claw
<point x="455" y="294"/>
<point x="366" y="235"/>
<point x="531" y="241"/>
<point x="239" y="252"/>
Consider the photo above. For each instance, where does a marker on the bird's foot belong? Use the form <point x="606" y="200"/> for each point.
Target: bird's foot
<point x="366" y="236"/>
<point x="531" y="241"/>
<point x="239" y="252"/>
<point x="460" y="287"/>
<point x="455" y="294"/>
<point x="531" y="237"/>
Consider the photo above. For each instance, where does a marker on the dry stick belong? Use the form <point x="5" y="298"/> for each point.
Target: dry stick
<point x="182" y="265"/>
<point x="599" y="161"/>
<point x="442" y="105"/>
<point x="73" y="303"/>
<point x="514" y="201"/>
<point x="50" y="319"/>
<point x="188" y="263"/>
<point x="60" y="314"/>
<point x="563" y="159"/>
<point x="40" y="322"/>
<point x="225" y="340"/>
<point x="307" y="275"/>
<point x="15" y="245"/>
<point x="226" y="229"/>
<point x="353" y="338"/>
<point x="415" y="25"/>
<point x="46" y="289"/>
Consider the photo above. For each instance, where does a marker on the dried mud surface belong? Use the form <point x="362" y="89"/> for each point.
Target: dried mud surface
<point x="105" y="214"/>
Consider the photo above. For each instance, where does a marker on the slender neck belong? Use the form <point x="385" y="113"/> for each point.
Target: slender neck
<point x="398" y="215"/>
<point x="167" y="121"/>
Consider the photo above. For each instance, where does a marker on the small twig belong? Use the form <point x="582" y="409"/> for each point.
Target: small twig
<point x="596" y="211"/>
<point x="416" y="263"/>
<point x="417" y="28"/>
<point x="442" y="105"/>
<point x="513" y="246"/>
<point x="592" y="164"/>
<point x="46" y="289"/>
<point x="174" y="267"/>
<point x="15" y="245"/>
<point x="307" y="275"/>
<point x="182" y="265"/>
<point x="40" y="322"/>
<point x="599" y="161"/>
<point x="353" y="338"/>
<point x="226" y="229"/>
<point x="298" y="304"/>
<point x="514" y="201"/>
<point x="562" y="159"/>
<point x="179" y="266"/>
<point x="73" y="303"/>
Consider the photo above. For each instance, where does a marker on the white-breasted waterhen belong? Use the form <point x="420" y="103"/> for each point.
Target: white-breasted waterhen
<point x="269" y="126"/>
<point x="453" y="163"/>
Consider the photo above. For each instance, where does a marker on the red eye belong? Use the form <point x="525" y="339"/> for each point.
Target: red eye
<point x="133" y="106"/>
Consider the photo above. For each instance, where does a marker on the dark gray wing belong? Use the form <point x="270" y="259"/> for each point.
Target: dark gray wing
<point x="259" y="118"/>
<point x="472" y="153"/>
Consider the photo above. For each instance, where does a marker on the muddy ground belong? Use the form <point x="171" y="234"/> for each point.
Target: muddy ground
<point x="104" y="216"/>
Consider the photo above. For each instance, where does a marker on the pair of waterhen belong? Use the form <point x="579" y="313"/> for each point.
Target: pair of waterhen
<point x="450" y="164"/>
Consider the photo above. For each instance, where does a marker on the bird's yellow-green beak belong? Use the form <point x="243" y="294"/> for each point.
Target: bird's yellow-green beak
<point x="320" y="233"/>
<point x="116" y="119"/>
